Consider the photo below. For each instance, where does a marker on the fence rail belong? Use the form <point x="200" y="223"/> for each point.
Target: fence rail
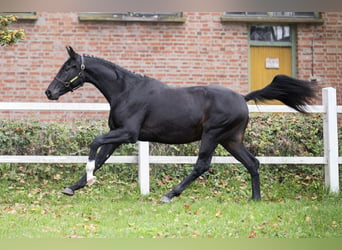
<point x="153" y="159"/>
<point x="144" y="159"/>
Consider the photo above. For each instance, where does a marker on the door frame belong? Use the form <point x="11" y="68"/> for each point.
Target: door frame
<point x="292" y="44"/>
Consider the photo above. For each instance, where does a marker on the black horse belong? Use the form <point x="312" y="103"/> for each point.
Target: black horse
<point x="145" y="109"/>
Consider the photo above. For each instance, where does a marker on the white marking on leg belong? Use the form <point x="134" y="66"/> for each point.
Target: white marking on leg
<point x="90" y="173"/>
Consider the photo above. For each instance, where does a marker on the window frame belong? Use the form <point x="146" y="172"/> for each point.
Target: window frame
<point x="272" y="17"/>
<point x="272" y="43"/>
<point x="167" y="17"/>
<point x="22" y="16"/>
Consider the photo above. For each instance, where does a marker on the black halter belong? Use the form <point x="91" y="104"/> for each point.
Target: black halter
<point x="80" y="75"/>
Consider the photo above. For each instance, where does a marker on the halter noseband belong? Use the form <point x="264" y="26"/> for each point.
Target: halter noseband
<point x="79" y="75"/>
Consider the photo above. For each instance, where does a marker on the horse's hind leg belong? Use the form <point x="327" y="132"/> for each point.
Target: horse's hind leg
<point x="104" y="153"/>
<point x="238" y="150"/>
<point x="202" y="165"/>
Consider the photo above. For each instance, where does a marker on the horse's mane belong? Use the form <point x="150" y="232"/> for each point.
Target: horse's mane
<point x="116" y="67"/>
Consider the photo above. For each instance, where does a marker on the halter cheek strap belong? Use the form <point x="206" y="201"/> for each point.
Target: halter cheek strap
<point x="79" y="75"/>
<point x="82" y="63"/>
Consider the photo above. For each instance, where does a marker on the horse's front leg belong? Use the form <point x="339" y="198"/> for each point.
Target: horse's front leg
<point x="90" y="167"/>
<point x="114" y="137"/>
<point x="104" y="153"/>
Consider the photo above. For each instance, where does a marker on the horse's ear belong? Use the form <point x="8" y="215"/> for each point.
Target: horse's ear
<point x="71" y="52"/>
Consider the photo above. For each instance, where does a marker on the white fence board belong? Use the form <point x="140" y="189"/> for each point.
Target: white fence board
<point x="158" y="159"/>
<point x="61" y="159"/>
<point x="60" y="106"/>
<point x="230" y="160"/>
<point x="53" y="106"/>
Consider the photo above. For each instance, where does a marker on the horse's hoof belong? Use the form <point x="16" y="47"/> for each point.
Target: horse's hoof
<point x="68" y="191"/>
<point x="91" y="181"/>
<point x="254" y="200"/>
<point x="165" y="199"/>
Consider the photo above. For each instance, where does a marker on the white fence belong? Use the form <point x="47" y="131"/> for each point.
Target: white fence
<point x="144" y="159"/>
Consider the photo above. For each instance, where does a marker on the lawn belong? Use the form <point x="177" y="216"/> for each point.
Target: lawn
<point x="215" y="206"/>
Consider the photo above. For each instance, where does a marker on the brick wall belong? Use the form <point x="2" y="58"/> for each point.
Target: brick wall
<point x="326" y="43"/>
<point x="203" y="50"/>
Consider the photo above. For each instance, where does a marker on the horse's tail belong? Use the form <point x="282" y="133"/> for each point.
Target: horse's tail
<point x="292" y="92"/>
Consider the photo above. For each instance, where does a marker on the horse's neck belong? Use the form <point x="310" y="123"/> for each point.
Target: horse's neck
<point x="105" y="79"/>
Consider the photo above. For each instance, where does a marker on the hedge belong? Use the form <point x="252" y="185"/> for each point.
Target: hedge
<point x="266" y="135"/>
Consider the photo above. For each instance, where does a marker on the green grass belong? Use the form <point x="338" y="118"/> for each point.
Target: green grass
<point x="294" y="205"/>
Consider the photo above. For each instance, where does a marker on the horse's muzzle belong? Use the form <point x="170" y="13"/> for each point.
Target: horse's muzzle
<point x="50" y="96"/>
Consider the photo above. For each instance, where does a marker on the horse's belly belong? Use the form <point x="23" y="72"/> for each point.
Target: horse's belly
<point x="170" y="135"/>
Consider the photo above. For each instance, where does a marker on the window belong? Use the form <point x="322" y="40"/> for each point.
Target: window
<point x="245" y="14"/>
<point x="294" y="14"/>
<point x="176" y="17"/>
<point x="268" y="33"/>
<point x="274" y="17"/>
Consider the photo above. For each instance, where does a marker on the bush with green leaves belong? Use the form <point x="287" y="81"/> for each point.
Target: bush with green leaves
<point x="266" y="135"/>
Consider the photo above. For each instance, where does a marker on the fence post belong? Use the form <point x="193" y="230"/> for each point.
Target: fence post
<point x="144" y="167"/>
<point x="330" y="139"/>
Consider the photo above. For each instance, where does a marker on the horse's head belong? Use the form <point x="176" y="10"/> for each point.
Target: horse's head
<point x="69" y="77"/>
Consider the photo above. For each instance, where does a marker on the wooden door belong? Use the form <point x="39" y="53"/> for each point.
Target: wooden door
<point x="266" y="62"/>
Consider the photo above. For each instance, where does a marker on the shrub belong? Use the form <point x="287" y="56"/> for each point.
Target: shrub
<point x="266" y="135"/>
<point x="285" y="135"/>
